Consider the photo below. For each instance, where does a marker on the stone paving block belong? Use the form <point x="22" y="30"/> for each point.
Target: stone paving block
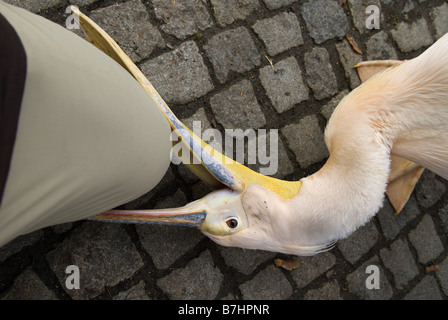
<point x="165" y="244"/>
<point x="275" y="4"/>
<point x="412" y="36"/>
<point x="284" y="84"/>
<point x="232" y="51"/>
<point x="81" y="3"/>
<point x="319" y="73"/>
<point x="440" y="19"/>
<point x="349" y="58"/>
<point x="325" y="20"/>
<point x="19" y="243"/>
<point x="229" y="11"/>
<point x="245" y="261"/>
<point x="378" y="47"/>
<point x="427" y="289"/>
<point x="182" y="18"/>
<point x="237" y="107"/>
<point x="306" y="140"/>
<point x="279" y="33"/>
<point x="28" y="286"/>
<point x="200" y="279"/>
<point x="327" y="110"/>
<point x="428" y="189"/>
<point x="358" y="12"/>
<point x="269" y="284"/>
<point x="398" y="259"/>
<point x="442" y="275"/>
<point x="179" y="76"/>
<point x="357" y="282"/>
<point x="329" y="291"/>
<point x="103" y="253"/>
<point x="359" y="242"/>
<point x="171" y="241"/>
<point x="425" y="240"/>
<point x="279" y="164"/>
<point x="199" y="115"/>
<point x="392" y="224"/>
<point x="34" y="5"/>
<point x="443" y="215"/>
<point x="128" y="24"/>
<point x="136" y="292"/>
<point x="312" y="267"/>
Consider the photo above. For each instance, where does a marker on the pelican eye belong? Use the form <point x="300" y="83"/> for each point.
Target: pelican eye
<point x="232" y="223"/>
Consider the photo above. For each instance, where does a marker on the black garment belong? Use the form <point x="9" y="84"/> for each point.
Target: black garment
<point x="12" y="85"/>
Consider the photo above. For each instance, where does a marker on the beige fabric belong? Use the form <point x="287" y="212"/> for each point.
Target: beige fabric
<point x="89" y="137"/>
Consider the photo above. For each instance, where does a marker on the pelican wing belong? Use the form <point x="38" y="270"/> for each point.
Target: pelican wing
<point x="210" y="165"/>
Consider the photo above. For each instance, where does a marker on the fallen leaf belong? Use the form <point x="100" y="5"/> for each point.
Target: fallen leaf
<point x="286" y="264"/>
<point x="353" y="44"/>
<point x="434" y="267"/>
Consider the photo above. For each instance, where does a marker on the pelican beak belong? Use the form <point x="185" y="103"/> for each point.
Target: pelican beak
<point x="193" y="214"/>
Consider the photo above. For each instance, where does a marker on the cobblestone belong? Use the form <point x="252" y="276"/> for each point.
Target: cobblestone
<point x="440" y="21"/>
<point x="306" y="140"/>
<point x="112" y="258"/>
<point x="279" y="33"/>
<point x="357" y="282"/>
<point x="359" y="243"/>
<point x="330" y="291"/>
<point x="349" y="59"/>
<point x="424" y="238"/>
<point x="182" y="18"/>
<point x="398" y="259"/>
<point x="319" y="73"/>
<point x="128" y="24"/>
<point x="325" y="20"/>
<point x="378" y="47"/>
<point x="429" y="189"/>
<point x="283" y="55"/>
<point x="35" y="5"/>
<point x="284" y="84"/>
<point x="237" y="107"/>
<point x="412" y="36"/>
<point x="358" y="11"/>
<point x="392" y="224"/>
<point x="232" y="50"/>
<point x="427" y="289"/>
<point x="179" y="76"/>
<point x="311" y="268"/>
<point x="269" y="284"/>
<point x="227" y="12"/>
<point x="28" y="286"/>
<point x="275" y="4"/>
<point x="188" y="283"/>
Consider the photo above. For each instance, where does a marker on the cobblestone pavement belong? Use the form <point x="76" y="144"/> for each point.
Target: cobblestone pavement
<point x="271" y="64"/>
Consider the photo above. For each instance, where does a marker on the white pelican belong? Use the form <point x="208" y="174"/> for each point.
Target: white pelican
<point x="401" y="111"/>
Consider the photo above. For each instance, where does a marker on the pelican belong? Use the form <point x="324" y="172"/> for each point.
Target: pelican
<point x="382" y="133"/>
<point x="378" y="136"/>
